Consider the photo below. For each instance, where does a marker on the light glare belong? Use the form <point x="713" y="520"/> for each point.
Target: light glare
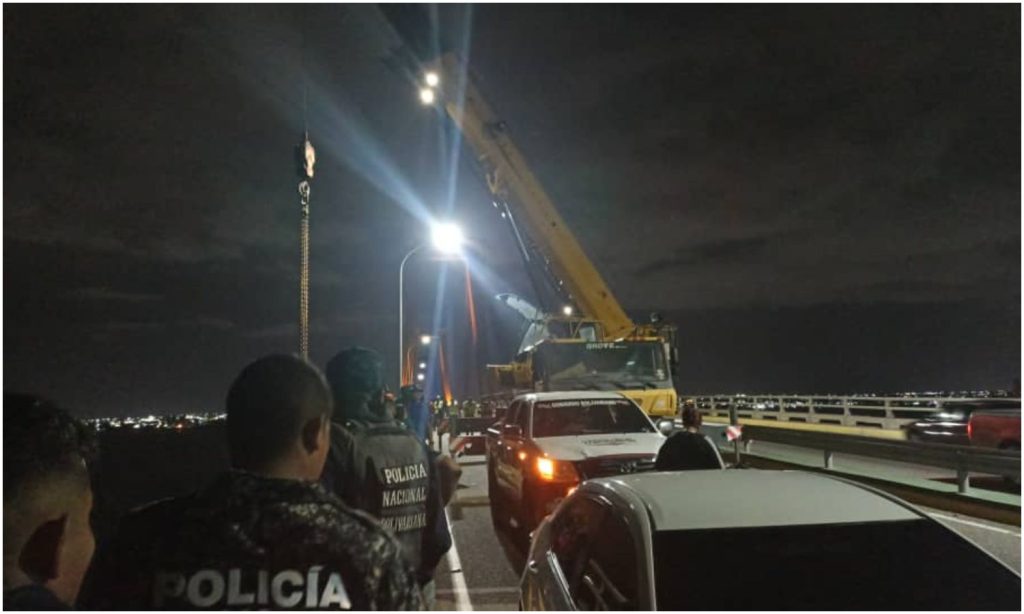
<point x="546" y="468"/>
<point x="432" y="79"/>
<point x="427" y="96"/>
<point x="447" y="238"/>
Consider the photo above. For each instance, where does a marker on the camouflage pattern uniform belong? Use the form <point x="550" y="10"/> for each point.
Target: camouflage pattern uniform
<point x="251" y="542"/>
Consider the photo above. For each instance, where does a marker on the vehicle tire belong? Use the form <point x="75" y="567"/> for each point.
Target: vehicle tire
<point x="525" y="518"/>
<point x="499" y="514"/>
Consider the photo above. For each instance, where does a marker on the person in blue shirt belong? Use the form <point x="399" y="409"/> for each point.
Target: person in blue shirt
<point x="417" y="416"/>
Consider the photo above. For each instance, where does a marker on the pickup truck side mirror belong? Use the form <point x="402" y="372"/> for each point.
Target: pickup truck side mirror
<point x="666" y="426"/>
<point x="512" y="430"/>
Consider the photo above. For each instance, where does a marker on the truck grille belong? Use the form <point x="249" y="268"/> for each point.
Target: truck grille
<point x="615" y="465"/>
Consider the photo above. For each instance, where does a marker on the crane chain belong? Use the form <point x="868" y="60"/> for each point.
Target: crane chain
<point x="304" y="271"/>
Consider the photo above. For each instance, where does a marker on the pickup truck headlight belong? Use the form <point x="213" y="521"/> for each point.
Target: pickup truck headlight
<point x="551" y="470"/>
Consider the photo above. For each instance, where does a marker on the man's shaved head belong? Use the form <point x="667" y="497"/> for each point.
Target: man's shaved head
<point x="47" y="494"/>
<point x="46" y="452"/>
<point x="267" y="406"/>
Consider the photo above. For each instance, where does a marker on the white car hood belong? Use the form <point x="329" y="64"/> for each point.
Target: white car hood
<point x="581" y="447"/>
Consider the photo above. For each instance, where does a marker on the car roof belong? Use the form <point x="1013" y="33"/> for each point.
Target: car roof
<point x="570" y="395"/>
<point x="733" y="498"/>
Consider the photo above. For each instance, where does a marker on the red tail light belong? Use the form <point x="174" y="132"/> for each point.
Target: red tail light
<point x="969" y="429"/>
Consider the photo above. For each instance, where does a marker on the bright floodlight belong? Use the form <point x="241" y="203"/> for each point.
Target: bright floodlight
<point x="425" y="339"/>
<point x="567" y="310"/>
<point x="427" y="96"/>
<point x="432" y="79"/>
<point x="447" y="238"/>
<point x="421" y="377"/>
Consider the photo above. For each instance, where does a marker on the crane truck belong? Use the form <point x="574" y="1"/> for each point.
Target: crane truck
<point x="588" y="342"/>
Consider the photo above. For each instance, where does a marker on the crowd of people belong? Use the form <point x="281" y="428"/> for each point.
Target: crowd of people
<point x="334" y="500"/>
<point x="331" y="502"/>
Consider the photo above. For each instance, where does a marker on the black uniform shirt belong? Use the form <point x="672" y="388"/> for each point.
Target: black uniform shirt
<point x="686" y="450"/>
<point x="347" y="477"/>
<point x="249" y="542"/>
<point x="32" y="597"/>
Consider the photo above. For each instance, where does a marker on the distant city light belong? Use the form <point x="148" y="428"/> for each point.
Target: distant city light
<point x="423" y="365"/>
<point x="427" y="96"/>
<point x="425" y="339"/>
<point x="567" y="310"/>
<point x="420" y="377"/>
<point x="432" y="79"/>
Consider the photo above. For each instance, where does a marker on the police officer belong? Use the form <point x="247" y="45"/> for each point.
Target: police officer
<point x="380" y="467"/>
<point x="417" y="416"/>
<point x="264" y="535"/>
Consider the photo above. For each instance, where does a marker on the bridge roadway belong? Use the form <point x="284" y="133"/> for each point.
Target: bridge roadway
<point x="482" y="571"/>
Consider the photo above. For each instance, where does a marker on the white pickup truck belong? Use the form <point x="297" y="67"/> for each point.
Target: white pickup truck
<point x="549" y="442"/>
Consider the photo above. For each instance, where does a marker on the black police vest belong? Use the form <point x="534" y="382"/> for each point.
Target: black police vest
<point x="392" y="474"/>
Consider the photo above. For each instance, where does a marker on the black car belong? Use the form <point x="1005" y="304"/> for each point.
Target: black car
<point x="949" y="423"/>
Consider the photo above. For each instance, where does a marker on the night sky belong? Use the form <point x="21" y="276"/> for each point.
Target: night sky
<point x="823" y="198"/>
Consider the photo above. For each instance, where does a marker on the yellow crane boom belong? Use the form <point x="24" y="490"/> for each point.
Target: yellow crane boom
<point x="509" y="176"/>
<point x="615" y="354"/>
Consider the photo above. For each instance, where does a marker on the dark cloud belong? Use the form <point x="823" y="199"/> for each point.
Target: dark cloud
<point x="108" y="294"/>
<point x="133" y="327"/>
<point x="709" y="254"/>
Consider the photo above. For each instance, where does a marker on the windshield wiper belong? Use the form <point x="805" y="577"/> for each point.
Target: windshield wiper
<point x="586" y="387"/>
<point x="625" y="386"/>
<point x="642" y="382"/>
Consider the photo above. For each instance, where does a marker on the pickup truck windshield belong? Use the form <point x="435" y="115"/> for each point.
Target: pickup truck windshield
<point x="899" y="565"/>
<point x="584" y="417"/>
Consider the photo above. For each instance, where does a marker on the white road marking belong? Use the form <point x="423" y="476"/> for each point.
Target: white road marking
<point x="975" y="524"/>
<point x="462" y="602"/>
<point x="487" y="590"/>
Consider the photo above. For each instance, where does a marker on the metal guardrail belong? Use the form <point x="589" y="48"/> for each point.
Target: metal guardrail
<point x="477" y="424"/>
<point x="962" y="459"/>
<point x="468" y="435"/>
<point x="863" y="411"/>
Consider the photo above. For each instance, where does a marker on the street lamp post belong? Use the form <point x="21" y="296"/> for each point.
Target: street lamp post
<point x="401" y="307"/>
<point x="447" y="240"/>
